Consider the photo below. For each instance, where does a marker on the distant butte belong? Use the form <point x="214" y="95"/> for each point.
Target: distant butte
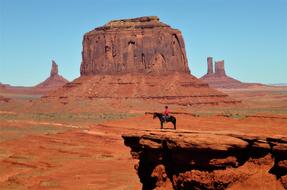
<point x="219" y="78"/>
<point x="138" y="58"/>
<point x="54" y="81"/>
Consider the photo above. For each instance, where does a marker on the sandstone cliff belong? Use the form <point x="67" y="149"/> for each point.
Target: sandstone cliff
<point x="206" y="160"/>
<point x="140" y="45"/>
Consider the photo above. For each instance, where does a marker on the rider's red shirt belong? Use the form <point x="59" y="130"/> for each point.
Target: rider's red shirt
<point x="166" y="112"/>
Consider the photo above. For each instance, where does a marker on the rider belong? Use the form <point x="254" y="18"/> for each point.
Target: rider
<point x="166" y="113"/>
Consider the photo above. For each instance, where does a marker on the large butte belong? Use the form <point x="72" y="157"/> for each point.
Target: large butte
<point x="138" y="58"/>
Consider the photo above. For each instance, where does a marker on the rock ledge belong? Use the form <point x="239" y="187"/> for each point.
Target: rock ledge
<point x="203" y="160"/>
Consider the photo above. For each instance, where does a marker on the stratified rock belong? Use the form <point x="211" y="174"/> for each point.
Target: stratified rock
<point x="201" y="160"/>
<point x="219" y="79"/>
<point x="139" y="45"/>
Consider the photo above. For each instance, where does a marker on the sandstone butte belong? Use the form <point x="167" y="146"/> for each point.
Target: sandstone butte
<point x="208" y="160"/>
<point x="138" y="58"/>
<point x="219" y="78"/>
<point x="53" y="82"/>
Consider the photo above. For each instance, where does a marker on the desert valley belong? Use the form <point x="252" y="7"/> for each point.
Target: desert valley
<point x="98" y="131"/>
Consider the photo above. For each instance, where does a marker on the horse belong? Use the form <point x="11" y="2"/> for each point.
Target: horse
<point x="161" y="118"/>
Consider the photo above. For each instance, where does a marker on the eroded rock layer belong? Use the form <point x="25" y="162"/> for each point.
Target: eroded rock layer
<point x="182" y="89"/>
<point x="139" y="45"/>
<point x="202" y="160"/>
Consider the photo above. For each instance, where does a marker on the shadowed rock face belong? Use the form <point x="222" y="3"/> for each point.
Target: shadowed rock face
<point x="201" y="160"/>
<point x="139" y="45"/>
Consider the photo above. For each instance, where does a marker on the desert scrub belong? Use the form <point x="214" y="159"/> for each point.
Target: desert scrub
<point x="67" y="117"/>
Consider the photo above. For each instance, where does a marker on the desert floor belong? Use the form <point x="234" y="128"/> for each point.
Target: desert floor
<point x="47" y="145"/>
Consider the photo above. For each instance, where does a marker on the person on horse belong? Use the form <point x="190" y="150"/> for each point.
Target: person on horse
<point x="166" y="113"/>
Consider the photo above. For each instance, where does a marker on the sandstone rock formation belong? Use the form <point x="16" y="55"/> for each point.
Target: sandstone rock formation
<point x="219" y="68"/>
<point x="54" y="69"/>
<point x="54" y="81"/>
<point x="205" y="160"/>
<point x="138" y="58"/>
<point x="139" y="45"/>
<point x="209" y="65"/>
<point x="51" y="83"/>
<point x="180" y="89"/>
<point x="219" y="79"/>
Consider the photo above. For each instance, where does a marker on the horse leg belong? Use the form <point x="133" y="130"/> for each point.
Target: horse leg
<point x="174" y="124"/>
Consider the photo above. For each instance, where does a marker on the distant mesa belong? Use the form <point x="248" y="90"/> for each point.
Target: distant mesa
<point x="219" y="78"/>
<point x="3" y="86"/>
<point x="138" y="58"/>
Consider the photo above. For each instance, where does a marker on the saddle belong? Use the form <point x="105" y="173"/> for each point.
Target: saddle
<point x="165" y="118"/>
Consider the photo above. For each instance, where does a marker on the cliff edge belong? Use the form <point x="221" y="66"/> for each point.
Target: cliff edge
<point x="207" y="160"/>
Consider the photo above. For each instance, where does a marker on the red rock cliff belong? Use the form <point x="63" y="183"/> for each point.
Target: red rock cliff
<point x="139" y="45"/>
<point x="205" y="160"/>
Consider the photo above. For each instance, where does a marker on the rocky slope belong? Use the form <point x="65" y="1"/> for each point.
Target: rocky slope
<point x="208" y="160"/>
<point x="138" y="58"/>
<point x="182" y="89"/>
<point x="219" y="78"/>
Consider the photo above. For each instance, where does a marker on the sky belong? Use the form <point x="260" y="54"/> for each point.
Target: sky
<point x="249" y="35"/>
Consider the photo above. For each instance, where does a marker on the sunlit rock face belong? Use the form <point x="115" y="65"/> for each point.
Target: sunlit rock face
<point x="139" y="45"/>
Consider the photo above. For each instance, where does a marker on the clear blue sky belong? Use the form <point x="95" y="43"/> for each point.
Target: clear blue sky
<point x="250" y="35"/>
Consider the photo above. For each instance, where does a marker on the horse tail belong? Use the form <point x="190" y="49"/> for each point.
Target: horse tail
<point x="174" y="122"/>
